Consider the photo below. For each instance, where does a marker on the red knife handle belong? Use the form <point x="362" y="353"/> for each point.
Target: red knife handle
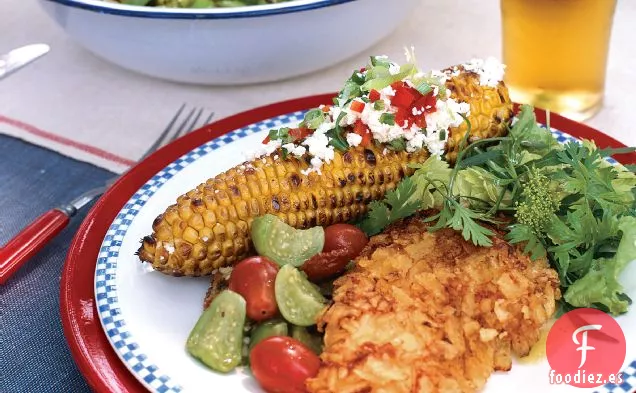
<point x="30" y="240"/>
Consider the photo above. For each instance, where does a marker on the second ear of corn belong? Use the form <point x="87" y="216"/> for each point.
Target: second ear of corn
<point x="209" y="227"/>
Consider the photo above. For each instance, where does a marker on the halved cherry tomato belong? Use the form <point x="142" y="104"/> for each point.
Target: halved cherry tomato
<point x="283" y="364"/>
<point x="374" y="95"/>
<point x="326" y="264"/>
<point x="343" y="242"/>
<point x="361" y="129"/>
<point x="344" y="236"/>
<point x="357" y="106"/>
<point x="254" y="278"/>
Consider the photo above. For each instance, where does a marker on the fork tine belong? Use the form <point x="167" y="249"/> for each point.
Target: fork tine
<point x="183" y="125"/>
<point x="164" y="134"/>
<point x="209" y="119"/>
<point x="193" y="124"/>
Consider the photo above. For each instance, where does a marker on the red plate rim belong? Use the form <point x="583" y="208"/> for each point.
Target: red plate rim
<point x="90" y="348"/>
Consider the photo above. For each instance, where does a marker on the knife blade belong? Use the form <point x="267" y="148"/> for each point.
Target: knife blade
<point x="18" y="58"/>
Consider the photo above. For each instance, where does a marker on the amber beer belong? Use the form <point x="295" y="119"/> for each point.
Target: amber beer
<point x="556" y="53"/>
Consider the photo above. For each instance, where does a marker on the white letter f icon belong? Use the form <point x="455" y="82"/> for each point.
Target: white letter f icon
<point x="584" y="347"/>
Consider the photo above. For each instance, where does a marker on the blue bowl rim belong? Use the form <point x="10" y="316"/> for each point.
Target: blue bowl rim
<point x="207" y="13"/>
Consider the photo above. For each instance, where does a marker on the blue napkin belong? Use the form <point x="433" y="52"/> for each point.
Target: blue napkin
<point x="34" y="355"/>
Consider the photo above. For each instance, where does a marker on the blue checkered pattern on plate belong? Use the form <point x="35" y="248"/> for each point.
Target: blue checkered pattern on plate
<point x="114" y="323"/>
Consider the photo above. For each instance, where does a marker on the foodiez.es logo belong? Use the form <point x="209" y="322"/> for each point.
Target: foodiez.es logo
<point x="586" y="348"/>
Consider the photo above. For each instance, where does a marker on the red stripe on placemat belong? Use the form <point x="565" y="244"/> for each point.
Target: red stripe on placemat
<point x="67" y="142"/>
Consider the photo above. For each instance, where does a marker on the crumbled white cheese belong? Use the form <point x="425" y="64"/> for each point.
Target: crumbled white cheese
<point x="294" y="149"/>
<point x="387" y="92"/>
<point x="263" y="150"/>
<point x="205" y="239"/>
<point x="318" y="146"/>
<point x="394" y="69"/>
<point x="325" y="126"/>
<point x="350" y="117"/>
<point x="418" y="111"/>
<point x="446" y="116"/>
<point x="169" y="248"/>
<point x="416" y="142"/>
<point x="490" y="71"/>
<point x="353" y="139"/>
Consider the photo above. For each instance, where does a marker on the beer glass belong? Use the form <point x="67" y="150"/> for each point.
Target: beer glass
<point x="556" y="53"/>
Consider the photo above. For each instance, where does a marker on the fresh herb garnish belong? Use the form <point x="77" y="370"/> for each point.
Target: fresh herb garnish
<point x="280" y="134"/>
<point x="314" y="118"/>
<point x="396" y="205"/>
<point x="563" y="202"/>
<point x="387" y="118"/>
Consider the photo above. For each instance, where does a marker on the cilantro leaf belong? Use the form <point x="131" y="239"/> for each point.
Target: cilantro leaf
<point x="398" y="204"/>
<point x="520" y="233"/>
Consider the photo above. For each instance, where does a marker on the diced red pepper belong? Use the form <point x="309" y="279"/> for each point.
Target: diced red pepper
<point x="361" y="129"/>
<point x="374" y="95"/>
<point x="404" y="97"/>
<point x="357" y="106"/>
<point x="420" y="121"/>
<point x="363" y="69"/>
<point x="426" y="104"/>
<point x="326" y="108"/>
<point x="402" y="116"/>
<point x="300" y="133"/>
<point x="266" y="140"/>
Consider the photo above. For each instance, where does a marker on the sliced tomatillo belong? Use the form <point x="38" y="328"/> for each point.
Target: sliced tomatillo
<point x="273" y="327"/>
<point x="311" y="341"/>
<point x="299" y="301"/>
<point x="284" y="244"/>
<point x="217" y="337"/>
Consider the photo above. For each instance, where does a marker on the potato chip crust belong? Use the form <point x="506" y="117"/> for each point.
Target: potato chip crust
<point x="431" y="312"/>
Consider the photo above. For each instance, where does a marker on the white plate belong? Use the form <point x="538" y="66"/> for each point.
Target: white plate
<point x="147" y="316"/>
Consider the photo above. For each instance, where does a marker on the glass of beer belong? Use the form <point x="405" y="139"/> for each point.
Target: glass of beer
<point x="556" y="53"/>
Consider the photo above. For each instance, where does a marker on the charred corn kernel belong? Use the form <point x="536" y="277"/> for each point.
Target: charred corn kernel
<point x="490" y="110"/>
<point x="209" y="226"/>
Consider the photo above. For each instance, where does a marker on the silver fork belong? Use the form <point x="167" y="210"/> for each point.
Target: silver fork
<point x="37" y="234"/>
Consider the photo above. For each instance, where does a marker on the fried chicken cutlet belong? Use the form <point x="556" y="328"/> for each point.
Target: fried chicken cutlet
<point x="431" y="312"/>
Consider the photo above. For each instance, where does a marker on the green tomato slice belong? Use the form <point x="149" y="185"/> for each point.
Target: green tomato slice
<point x="217" y="337"/>
<point x="311" y="341"/>
<point x="284" y="244"/>
<point x="271" y="328"/>
<point x="299" y="301"/>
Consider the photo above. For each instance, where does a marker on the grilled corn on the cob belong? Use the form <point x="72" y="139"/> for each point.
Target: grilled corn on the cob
<point x="209" y="226"/>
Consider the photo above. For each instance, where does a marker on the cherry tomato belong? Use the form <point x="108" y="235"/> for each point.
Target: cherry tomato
<point x="326" y="264"/>
<point x="343" y="242"/>
<point x="254" y="278"/>
<point x="339" y="236"/>
<point x="283" y="364"/>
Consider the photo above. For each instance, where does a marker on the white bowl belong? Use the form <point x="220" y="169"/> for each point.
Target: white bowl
<point x="226" y="46"/>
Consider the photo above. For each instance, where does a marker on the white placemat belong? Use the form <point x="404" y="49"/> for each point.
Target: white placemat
<point x="83" y="107"/>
